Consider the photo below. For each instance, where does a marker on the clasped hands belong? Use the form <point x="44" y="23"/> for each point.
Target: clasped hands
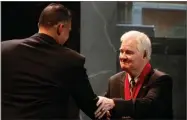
<point x="105" y="104"/>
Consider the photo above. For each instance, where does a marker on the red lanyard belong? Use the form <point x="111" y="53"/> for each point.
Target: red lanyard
<point x="138" y="85"/>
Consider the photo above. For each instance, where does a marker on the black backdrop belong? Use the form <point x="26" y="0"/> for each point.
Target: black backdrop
<point x="20" y="19"/>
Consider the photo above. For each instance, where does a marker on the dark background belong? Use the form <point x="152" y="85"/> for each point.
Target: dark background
<point x="20" y="19"/>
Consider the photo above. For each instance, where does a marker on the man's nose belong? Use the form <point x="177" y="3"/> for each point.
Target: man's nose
<point x="123" y="59"/>
<point x="123" y="56"/>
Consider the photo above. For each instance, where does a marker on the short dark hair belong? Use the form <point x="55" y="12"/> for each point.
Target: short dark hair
<point x="53" y="14"/>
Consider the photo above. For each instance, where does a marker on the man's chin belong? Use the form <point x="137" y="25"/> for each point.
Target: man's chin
<point x="124" y="68"/>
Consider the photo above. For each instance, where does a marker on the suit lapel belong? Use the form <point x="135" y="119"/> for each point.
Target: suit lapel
<point x="145" y="84"/>
<point x="143" y="88"/>
<point x="122" y="78"/>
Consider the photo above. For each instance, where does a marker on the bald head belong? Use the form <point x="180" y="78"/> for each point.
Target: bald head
<point x="142" y="40"/>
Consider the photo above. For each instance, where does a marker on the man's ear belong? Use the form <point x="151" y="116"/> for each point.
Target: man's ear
<point x="60" y="28"/>
<point x="145" y="54"/>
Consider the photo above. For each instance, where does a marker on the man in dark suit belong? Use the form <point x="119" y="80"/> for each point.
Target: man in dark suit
<point x="139" y="91"/>
<point x="39" y="74"/>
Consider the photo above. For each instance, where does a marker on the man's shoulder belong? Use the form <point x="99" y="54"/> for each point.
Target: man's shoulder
<point x="74" y="53"/>
<point x="118" y="76"/>
<point x="12" y="41"/>
<point x="159" y="75"/>
<point x="73" y="56"/>
<point x="159" y="72"/>
<point x="9" y="44"/>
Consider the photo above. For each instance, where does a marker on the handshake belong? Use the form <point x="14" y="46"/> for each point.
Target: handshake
<point x="104" y="105"/>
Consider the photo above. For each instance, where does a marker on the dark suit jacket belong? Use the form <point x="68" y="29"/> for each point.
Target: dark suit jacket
<point x="154" y="100"/>
<point x="39" y="75"/>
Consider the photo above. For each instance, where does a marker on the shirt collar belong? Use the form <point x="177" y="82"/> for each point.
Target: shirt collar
<point x="46" y="38"/>
<point x="135" y="79"/>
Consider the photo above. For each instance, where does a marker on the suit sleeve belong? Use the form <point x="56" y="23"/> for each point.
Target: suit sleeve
<point x="157" y="100"/>
<point x="82" y="91"/>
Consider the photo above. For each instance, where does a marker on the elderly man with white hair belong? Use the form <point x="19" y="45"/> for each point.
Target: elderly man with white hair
<point x="139" y="91"/>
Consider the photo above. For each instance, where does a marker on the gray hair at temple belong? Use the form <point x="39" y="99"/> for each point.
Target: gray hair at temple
<point x="144" y="43"/>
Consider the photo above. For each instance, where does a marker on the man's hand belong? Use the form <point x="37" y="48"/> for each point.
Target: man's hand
<point x="105" y="104"/>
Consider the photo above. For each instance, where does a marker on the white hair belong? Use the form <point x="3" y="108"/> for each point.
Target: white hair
<point x="144" y="43"/>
